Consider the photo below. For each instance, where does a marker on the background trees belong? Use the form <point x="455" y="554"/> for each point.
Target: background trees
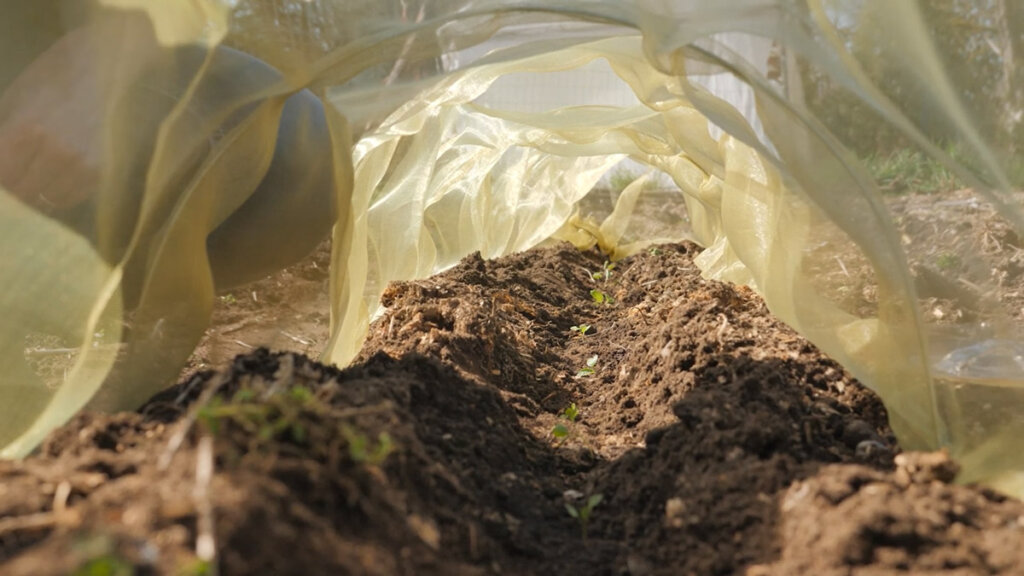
<point x="981" y="44"/>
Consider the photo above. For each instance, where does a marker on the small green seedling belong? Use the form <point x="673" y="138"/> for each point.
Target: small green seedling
<point x="600" y="297"/>
<point x="583" y="513"/>
<point x="561" y="430"/>
<point x="948" y="261"/>
<point x="589" y="369"/>
<point x="582" y="329"/>
<point x="605" y="272"/>
<point x="280" y="416"/>
<point x="654" y="251"/>
<point x="359" y="448"/>
<point x="107" y="565"/>
<point x="228" y="299"/>
<point x="571" y="413"/>
<point x="97" y="554"/>
<point x="198" y="568"/>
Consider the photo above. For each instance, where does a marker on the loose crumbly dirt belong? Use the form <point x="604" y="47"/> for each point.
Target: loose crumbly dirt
<point x="720" y="442"/>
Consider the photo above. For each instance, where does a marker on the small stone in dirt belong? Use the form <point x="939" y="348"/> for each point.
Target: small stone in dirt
<point x="857" y="431"/>
<point x="426" y="529"/>
<point x="868" y="449"/>
<point x="735" y="453"/>
<point x="674" y="510"/>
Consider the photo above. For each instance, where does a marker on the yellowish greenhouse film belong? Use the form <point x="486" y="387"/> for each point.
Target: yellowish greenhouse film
<point x="134" y="133"/>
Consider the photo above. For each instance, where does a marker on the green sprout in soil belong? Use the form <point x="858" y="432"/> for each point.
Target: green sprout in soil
<point x="198" y="568"/>
<point x="96" y="554"/>
<point x="581" y="329"/>
<point x="570" y="414"/>
<point x="583" y="513"/>
<point x="589" y="369"/>
<point x="947" y="261"/>
<point x="282" y="416"/>
<point x="654" y="251"/>
<point x="908" y="170"/>
<point x="107" y="565"/>
<point x="360" y="449"/>
<point x="228" y="299"/>
<point x="600" y="297"/>
<point x="605" y="272"/>
<point x="277" y="417"/>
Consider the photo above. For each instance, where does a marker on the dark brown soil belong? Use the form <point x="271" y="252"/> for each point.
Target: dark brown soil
<point x="720" y="441"/>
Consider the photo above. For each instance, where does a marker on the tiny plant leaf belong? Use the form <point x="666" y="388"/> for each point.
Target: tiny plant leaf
<point x="243" y="395"/>
<point x="199" y="568"/>
<point x="588" y="370"/>
<point x="300" y="394"/>
<point x="608" y="267"/>
<point x="947" y="261"/>
<point x="583" y="513"/>
<point x="571" y="413"/>
<point x="604" y="273"/>
<point x="581" y="329"/>
<point x="561" y="430"/>
<point x="108" y="565"/>
<point x="359" y="448"/>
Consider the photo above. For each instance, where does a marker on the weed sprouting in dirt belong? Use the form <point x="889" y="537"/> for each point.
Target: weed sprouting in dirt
<point x="605" y="273"/>
<point x="199" y="568"/>
<point x="288" y="416"/>
<point x="581" y="329"/>
<point x="563" y="430"/>
<point x="589" y="369"/>
<point x="98" y="556"/>
<point x="583" y="513"/>
<point x="948" y="261"/>
<point x="278" y="417"/>
<point x="571" y="412"/>
<point x="105" y="566"/>
<point x="600" y="297"/>
<point x="360" y="449"/>
<point x="908" y="170"/>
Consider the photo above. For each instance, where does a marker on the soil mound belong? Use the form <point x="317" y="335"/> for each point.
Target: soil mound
<point x="542" y="413"/>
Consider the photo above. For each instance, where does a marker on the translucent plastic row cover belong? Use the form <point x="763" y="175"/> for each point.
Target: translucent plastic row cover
<point x="425" y="172"/>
